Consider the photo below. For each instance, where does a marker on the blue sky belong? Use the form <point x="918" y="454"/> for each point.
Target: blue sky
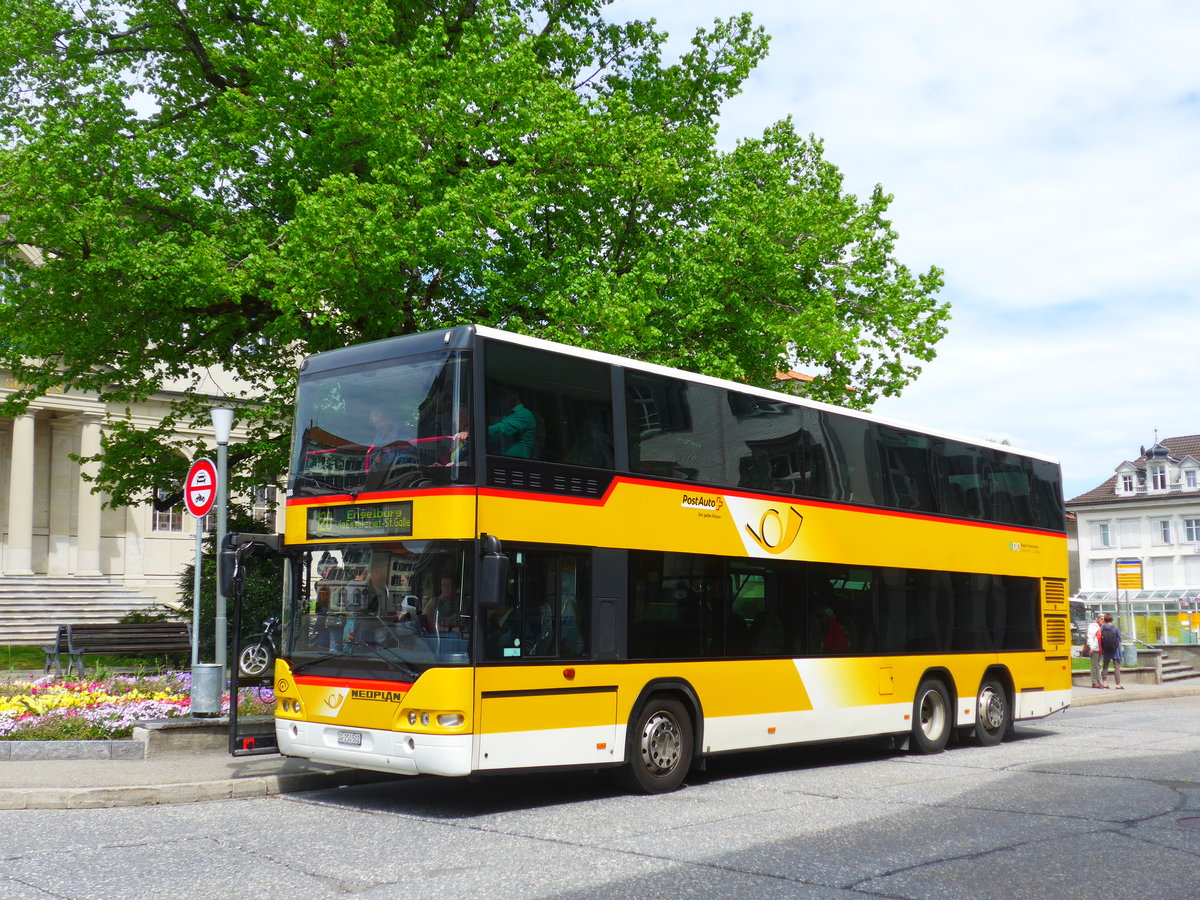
<point x="1046" y="155"/>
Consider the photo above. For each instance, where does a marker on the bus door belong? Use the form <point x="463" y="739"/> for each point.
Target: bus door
<point x="539" y="704"/>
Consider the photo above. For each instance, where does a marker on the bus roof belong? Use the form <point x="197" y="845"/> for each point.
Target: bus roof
<point x="462" y="338"/>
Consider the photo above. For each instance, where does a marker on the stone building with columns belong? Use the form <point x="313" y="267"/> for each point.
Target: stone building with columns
<point x="64" y="555"/>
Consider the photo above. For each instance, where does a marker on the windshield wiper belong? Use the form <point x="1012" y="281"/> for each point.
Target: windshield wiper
<point x="394" y="661"/>
<point x="296" y="669"/>
<point x="327" y="485"/>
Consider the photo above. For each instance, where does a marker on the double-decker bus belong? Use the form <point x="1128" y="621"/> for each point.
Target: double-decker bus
<point x="508" y="554"/>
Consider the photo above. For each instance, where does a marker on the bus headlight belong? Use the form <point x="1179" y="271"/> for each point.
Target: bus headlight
<point x="424" y="718"/>
<point x="450" y="720"/>
<point x="412" y="718"/>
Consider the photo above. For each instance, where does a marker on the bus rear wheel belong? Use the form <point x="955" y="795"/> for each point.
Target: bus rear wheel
<point x="659" y="748"/>
<point x="931" y="717"/>
<point x="993" y="715"/>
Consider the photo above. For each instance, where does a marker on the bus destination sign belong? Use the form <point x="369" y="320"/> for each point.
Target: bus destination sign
<point x="361" y="521"/>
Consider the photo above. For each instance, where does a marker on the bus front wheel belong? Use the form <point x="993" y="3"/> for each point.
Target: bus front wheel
<point x="931" y="717"/>
<point x="659" y="748"/>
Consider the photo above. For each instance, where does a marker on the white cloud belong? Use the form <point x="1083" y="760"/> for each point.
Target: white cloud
<point x="1043" y="154"/>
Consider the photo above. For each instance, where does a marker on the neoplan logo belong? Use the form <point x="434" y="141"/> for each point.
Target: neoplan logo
<point x="385" y="696"/>
<point x="777" y="530"/>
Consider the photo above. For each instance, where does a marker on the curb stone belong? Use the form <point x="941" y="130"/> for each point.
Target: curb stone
<point x="15" y="751"/>
<point x="185" y="792"/>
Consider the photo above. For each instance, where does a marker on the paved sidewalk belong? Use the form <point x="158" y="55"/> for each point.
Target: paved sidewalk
<point x="171" y="761"/>
<point x="166" y="778"/>
<point x="206" y="771"/>
<point x="1086" y="695"/>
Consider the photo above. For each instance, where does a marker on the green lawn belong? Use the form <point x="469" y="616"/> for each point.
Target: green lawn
<point x="21" y="657"/>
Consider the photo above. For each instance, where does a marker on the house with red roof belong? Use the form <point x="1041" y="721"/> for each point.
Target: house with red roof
<point x="1139" y="541"/>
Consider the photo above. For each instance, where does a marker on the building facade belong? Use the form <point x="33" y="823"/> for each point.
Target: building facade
<point x="64" y="554"/>
<point x="1145" y="521"/>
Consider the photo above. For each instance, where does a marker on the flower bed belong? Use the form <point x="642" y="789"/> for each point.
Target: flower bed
<point x="49" y="708"/>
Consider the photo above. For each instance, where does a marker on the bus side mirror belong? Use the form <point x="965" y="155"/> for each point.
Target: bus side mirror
<point x="493" y="573"/>
<point x="230" y="572"/>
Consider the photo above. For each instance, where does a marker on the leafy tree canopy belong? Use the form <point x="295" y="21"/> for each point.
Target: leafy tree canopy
<point x="238" y="183"/>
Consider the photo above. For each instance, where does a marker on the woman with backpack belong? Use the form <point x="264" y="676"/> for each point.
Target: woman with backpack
<point x="1110" y="647"/>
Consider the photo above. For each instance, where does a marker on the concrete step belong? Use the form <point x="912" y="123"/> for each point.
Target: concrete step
<point x="31" y="609"/>
<point x="1173" y="670"/>
<point x="1188" y="675"/>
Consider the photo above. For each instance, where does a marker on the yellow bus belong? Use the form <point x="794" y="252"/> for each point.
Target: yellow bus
<point x="509" y="554"/>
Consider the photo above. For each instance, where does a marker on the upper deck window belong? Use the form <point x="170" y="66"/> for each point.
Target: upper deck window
<point x="551" y="407"/>
<point x="390" y="425"/>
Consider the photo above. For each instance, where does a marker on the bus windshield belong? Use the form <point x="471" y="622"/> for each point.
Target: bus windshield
<point x="399" y="606"/>
<point x="395" y="424"/>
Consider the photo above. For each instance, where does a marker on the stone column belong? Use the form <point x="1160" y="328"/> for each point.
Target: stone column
<point x="64" y="476"/>
<point x="19" y="555"/>
<point x="87" y="559"/>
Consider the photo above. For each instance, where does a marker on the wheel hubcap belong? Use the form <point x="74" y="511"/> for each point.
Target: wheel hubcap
<point x="661" y="744"/>
<point x="933" y="715"/>
<point x="991" y="710"/>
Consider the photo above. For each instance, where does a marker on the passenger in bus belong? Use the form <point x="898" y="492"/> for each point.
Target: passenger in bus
<point x="440" y="613"/>
<point x="516" y="434"/>
<point x="833" y="638"/>
<point x="387" y="428"/>
<point x="737" y="635"/>
<point x="320" y="632"/>
<point x="459" y="453"/>
<point x="407" y="613"/>
<point x="766" y="634"/>
<point x="335" y="627"/>
<point x="538" y="629"/>
<point x="502" y="631"/>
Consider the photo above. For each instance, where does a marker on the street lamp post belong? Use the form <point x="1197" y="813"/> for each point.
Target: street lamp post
<point x="222" y="419"/>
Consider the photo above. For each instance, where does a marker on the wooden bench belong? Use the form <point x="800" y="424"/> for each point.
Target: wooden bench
<point x="134" y="638"/>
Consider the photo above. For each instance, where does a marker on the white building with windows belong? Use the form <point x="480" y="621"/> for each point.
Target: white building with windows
<point x="65" y="556"/>
<point x="1148" y="512"/>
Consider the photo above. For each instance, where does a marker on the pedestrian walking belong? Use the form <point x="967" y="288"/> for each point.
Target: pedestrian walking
<point x="1110" y="648"/>
<point x="1093" y="645"/>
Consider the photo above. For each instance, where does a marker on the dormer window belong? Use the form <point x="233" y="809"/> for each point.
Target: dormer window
<point x="1189" y="478"/>
<point x="1158" y="478"/>
<point x="1127" y="484"/>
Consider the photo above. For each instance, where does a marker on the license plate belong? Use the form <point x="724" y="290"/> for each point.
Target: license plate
<point x="349" y="738"/>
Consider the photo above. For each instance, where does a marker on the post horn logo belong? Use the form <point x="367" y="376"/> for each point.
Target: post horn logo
<point x="777" y="531"/>
<point x="334" y="700"/>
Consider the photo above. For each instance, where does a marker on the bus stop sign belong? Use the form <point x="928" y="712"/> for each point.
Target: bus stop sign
<point x="200" y="488"/>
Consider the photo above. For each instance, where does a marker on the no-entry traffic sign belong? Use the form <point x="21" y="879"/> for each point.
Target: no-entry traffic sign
<point x="200" y="488"/>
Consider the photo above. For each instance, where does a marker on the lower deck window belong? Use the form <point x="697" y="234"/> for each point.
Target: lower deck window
<point x="686" y="606"/>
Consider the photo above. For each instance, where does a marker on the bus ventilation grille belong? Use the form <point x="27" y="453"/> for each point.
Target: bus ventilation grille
<point x="531" y="479"/>
<point x="1055" y="591"/>
<point x="1056" y="631"/>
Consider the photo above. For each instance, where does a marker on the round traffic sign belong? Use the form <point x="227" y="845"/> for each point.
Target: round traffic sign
<point x="200" y="488"/>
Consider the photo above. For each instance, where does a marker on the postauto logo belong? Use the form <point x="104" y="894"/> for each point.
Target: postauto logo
<point x="777" y="529"/>
<point x="766" y="529"/>
<point x="700" y="501"/>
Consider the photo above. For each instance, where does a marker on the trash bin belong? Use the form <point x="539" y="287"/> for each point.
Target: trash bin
<point x="1128" y="656"/>
<point x="206" y="689"/>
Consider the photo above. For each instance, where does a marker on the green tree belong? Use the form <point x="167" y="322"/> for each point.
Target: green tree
<point x="262" y="596"/>
<point x="238" y="183"/>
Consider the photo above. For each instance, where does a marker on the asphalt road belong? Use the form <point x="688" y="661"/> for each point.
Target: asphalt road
<point x="1100" y="801"/>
